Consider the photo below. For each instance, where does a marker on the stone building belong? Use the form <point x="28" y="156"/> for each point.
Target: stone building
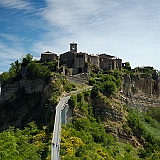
<point x="73" y="47"/>
<point x="108" y="62"/>
<point x="67" y="59"/>
<point x="48" y="56"/>
<point x="78" y="61"/>
<point x="93" y="59"/>
<point x="74" y="60"/>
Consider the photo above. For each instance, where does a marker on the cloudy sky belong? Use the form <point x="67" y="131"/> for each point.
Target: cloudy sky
<point x="127" y="29"/>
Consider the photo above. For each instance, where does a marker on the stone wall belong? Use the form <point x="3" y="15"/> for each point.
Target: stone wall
<point x="93" y="59"/>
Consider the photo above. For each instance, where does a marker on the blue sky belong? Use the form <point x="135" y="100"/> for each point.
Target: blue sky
<point x="129" y="30"/>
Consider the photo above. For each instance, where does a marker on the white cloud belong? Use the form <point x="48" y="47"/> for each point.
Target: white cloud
<point x="126" y="29"/>
<point x="10" y="37"/>
<point x="79" y="21"/>
<point x="9" y="55"/>
<point x="98" y="16"/>
<point x="72" y="14"/>
<point x="16" y="4"/>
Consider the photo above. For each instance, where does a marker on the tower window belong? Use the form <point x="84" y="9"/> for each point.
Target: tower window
<point x="79" y="56"/>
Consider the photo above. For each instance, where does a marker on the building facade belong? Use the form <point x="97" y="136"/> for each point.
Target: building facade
<point x="108" y="62"/>
<point x="67" y="59"/>
<point x="93" y="59"/>
<point x="48" y="56"/>
<point x="78" y="61"/>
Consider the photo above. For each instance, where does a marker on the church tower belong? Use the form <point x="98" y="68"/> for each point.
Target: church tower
<point x="73" y="47"/>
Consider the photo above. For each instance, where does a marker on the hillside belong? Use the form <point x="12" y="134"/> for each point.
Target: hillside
<point x="118" y="119"/>
<point x="101" y="115"/>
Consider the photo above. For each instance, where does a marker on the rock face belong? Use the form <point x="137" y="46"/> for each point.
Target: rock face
<point x="139" y="91"/>
<point x="113" y="115"/>
<point x="29" y="86"/>
<point x="140" y="82"/>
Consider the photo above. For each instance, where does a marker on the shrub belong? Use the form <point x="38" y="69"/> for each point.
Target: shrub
<point x="72" y="101"/>
<point x="92" y="81"/>
<point x="109" y="88"/>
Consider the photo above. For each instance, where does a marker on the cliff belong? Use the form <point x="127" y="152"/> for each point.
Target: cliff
<point x="28" y="86"/>
<point x="140" y="82"/>
<point x="140" y="92"/>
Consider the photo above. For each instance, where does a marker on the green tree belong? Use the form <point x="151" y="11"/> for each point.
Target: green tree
<point x="14" y="144"/>
<point x="27" y="59"/>
<point x="72" y="101"/>
<point x="80" y="97"/>
<point x="12" y="75"/>
<point x="36" y="70"/>
<point x="127" y="66"/>
<point x="52" y="65"/>
<point x="5" y="78"/>
<point x="95" y="91"/>
<point x="109" y="88"/>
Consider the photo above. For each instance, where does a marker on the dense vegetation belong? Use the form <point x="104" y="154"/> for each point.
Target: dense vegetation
<point x="29" y="143"/>
<point x="26" y="120"/>
<point x="31" y="69"/>
<point x="86" y="138"/>
<point x="106" y="83"/>
<point x="147" y="130"/>
<point x="33" y="142"/>
<point x="17" y="139"/>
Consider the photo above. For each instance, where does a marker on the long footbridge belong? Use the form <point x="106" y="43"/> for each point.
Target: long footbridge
<point x="60" y="118"/>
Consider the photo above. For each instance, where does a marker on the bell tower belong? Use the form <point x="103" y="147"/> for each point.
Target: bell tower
<point x="73" y="47"/>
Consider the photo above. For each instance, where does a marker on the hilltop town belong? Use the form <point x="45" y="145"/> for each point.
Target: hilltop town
<point x="119" y="113"/>
<point x="69" y="63"/>
<point x="77" y="62"/>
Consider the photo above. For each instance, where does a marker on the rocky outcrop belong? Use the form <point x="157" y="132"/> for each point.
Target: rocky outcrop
<point x="140" y="91"/>
<point x="106" y="110"/>
<point x="28" y="86"/>
<point x="79" y="78"/>
<point x="140" y="82"/>
<point x="113" y="115"/>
